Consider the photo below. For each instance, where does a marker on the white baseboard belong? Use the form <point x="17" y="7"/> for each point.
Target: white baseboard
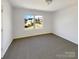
<point x="31" y="35"/>
<point x="66" y="39"/>
<point x="4" y="51"/>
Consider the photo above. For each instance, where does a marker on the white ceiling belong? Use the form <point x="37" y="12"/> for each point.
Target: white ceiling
<point x="42" y="5"/>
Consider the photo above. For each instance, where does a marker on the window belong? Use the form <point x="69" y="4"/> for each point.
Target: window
<point x="33" y="22"/>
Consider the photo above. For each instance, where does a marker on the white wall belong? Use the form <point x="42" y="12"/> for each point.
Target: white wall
<point x="18" y="22"/>
<point x="7" y="27"/>
<point x="65" y="23"/>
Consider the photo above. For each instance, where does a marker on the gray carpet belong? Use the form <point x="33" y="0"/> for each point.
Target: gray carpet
<point x="42" y="47"/>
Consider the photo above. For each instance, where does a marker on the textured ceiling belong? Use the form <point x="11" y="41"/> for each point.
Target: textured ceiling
<point x="42" y="5"/>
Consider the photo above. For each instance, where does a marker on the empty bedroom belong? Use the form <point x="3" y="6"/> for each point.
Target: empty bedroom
<point x="39" y="29"/>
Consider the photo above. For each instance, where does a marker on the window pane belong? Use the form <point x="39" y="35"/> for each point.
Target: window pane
<point x="38" y="22"/>
<point x="29" y="22"/>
